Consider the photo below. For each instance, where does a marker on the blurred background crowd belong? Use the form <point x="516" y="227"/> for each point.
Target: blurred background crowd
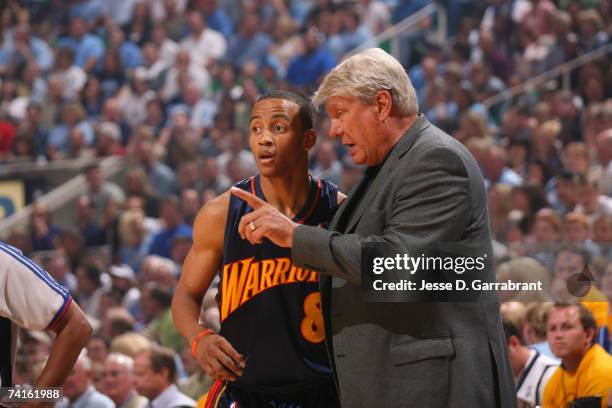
<point x="168" y="86"/>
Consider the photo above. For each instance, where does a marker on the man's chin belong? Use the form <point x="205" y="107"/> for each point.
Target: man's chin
<point x="358" y="159"/>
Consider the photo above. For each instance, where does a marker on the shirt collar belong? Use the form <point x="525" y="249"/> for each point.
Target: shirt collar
<point x="166" y="397"/>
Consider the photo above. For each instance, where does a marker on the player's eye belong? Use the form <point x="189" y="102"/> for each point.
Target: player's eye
<point x="280" y="128"/>
<point x="255" y="128"/>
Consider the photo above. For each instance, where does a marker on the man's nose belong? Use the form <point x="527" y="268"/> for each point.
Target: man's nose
<point x="335" y="130"/>
<point x="266" y="138"/>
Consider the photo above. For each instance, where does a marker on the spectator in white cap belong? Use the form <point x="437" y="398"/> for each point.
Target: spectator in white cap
<point x="123" y="280"/>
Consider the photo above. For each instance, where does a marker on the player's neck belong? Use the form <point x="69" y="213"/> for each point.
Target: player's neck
<point x="288" y="193"/>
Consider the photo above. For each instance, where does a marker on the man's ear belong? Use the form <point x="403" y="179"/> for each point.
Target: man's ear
<point x="165" y="373"/>
<point x="384" y="104"/>
<point x="590" y="334"/>
<point x="514" y="341"/>
<point x="310" y="138"/>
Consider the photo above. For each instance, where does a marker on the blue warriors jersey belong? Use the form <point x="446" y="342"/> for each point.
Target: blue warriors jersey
<point x="270" y="308"/>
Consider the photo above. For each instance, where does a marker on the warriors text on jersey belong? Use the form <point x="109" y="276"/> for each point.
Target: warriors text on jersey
<point x="270" y="308"/>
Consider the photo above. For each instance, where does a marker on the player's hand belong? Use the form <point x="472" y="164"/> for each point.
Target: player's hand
<point x="219" y="359"/>
<point x="264" y="222"/>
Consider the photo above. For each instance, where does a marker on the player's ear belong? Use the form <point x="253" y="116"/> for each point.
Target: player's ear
<point x="310" y="138"/>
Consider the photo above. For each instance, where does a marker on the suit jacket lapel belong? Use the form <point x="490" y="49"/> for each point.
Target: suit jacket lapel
<point x="402" y="146"/>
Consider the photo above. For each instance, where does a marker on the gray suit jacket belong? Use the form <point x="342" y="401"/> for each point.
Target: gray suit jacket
<point x="433" y="354"/>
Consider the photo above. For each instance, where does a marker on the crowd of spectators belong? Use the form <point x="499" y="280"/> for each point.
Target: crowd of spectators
<point x="169" y="84"/>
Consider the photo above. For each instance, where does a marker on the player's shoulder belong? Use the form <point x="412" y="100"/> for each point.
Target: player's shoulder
<point x="210" y="222"/>
<point x="215" y="208"/>
<point x="12" y="256"/>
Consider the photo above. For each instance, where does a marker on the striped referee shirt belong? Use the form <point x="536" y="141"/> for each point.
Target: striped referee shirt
<point x="30" y="298"/>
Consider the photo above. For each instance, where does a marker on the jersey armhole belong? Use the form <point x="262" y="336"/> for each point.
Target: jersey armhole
<point x="60" y="313"/>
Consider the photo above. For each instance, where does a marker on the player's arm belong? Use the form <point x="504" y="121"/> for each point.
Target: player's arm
<point x="32" y="299"/>
<point x="341" y="198"/>
<point x="73" y="331"/>
<point x="214" y="353"/>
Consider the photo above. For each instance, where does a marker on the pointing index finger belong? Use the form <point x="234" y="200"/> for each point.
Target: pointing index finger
<point x="251" y="199"/>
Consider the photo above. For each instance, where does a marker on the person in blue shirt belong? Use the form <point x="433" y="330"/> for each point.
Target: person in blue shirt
<point x="129" y="53"/>
<point x="353" y="34"/>
<point x="249" y="44"/>
<point x="27" y="48"/>
<point x="216" y="17"/>
<point x="310" y="67"/>
<point x="172" y="217"/>
<point x="88" y="48"/>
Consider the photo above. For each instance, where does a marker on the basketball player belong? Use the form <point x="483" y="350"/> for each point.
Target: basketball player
<point x="270" y="349"/>
<point x="32" y="299"/>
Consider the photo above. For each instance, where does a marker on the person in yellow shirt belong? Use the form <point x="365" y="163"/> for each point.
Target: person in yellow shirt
<point x="584" y="378"/>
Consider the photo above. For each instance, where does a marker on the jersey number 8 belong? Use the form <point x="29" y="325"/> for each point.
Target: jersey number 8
<point x="312" y="325"/>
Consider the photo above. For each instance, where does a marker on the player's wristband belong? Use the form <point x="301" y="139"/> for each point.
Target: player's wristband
<point x="195" y="343"/>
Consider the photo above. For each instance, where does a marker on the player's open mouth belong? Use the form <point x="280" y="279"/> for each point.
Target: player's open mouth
<point x="266" y="157"/>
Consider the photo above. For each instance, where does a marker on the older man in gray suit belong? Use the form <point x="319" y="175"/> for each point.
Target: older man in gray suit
<point x="422" y="189"/>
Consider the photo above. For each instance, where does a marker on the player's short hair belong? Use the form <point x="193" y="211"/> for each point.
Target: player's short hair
<point x="306" y="111"/>
<point x="363" y="75"/>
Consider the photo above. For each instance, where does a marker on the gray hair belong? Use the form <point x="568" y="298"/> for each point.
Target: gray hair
<point x="123" y="360"/>
<point x="365" y="74"/>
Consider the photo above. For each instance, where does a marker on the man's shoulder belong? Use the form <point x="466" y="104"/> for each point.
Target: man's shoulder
<point x="601" y="363"/>
<point x="435" y="146"/>
<point x="555" y="380"/>
<point x="137" y="401"/>
<point x="99" y="400"/>
<point x="174" y="398"/>
<point x="432" y="137"/>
